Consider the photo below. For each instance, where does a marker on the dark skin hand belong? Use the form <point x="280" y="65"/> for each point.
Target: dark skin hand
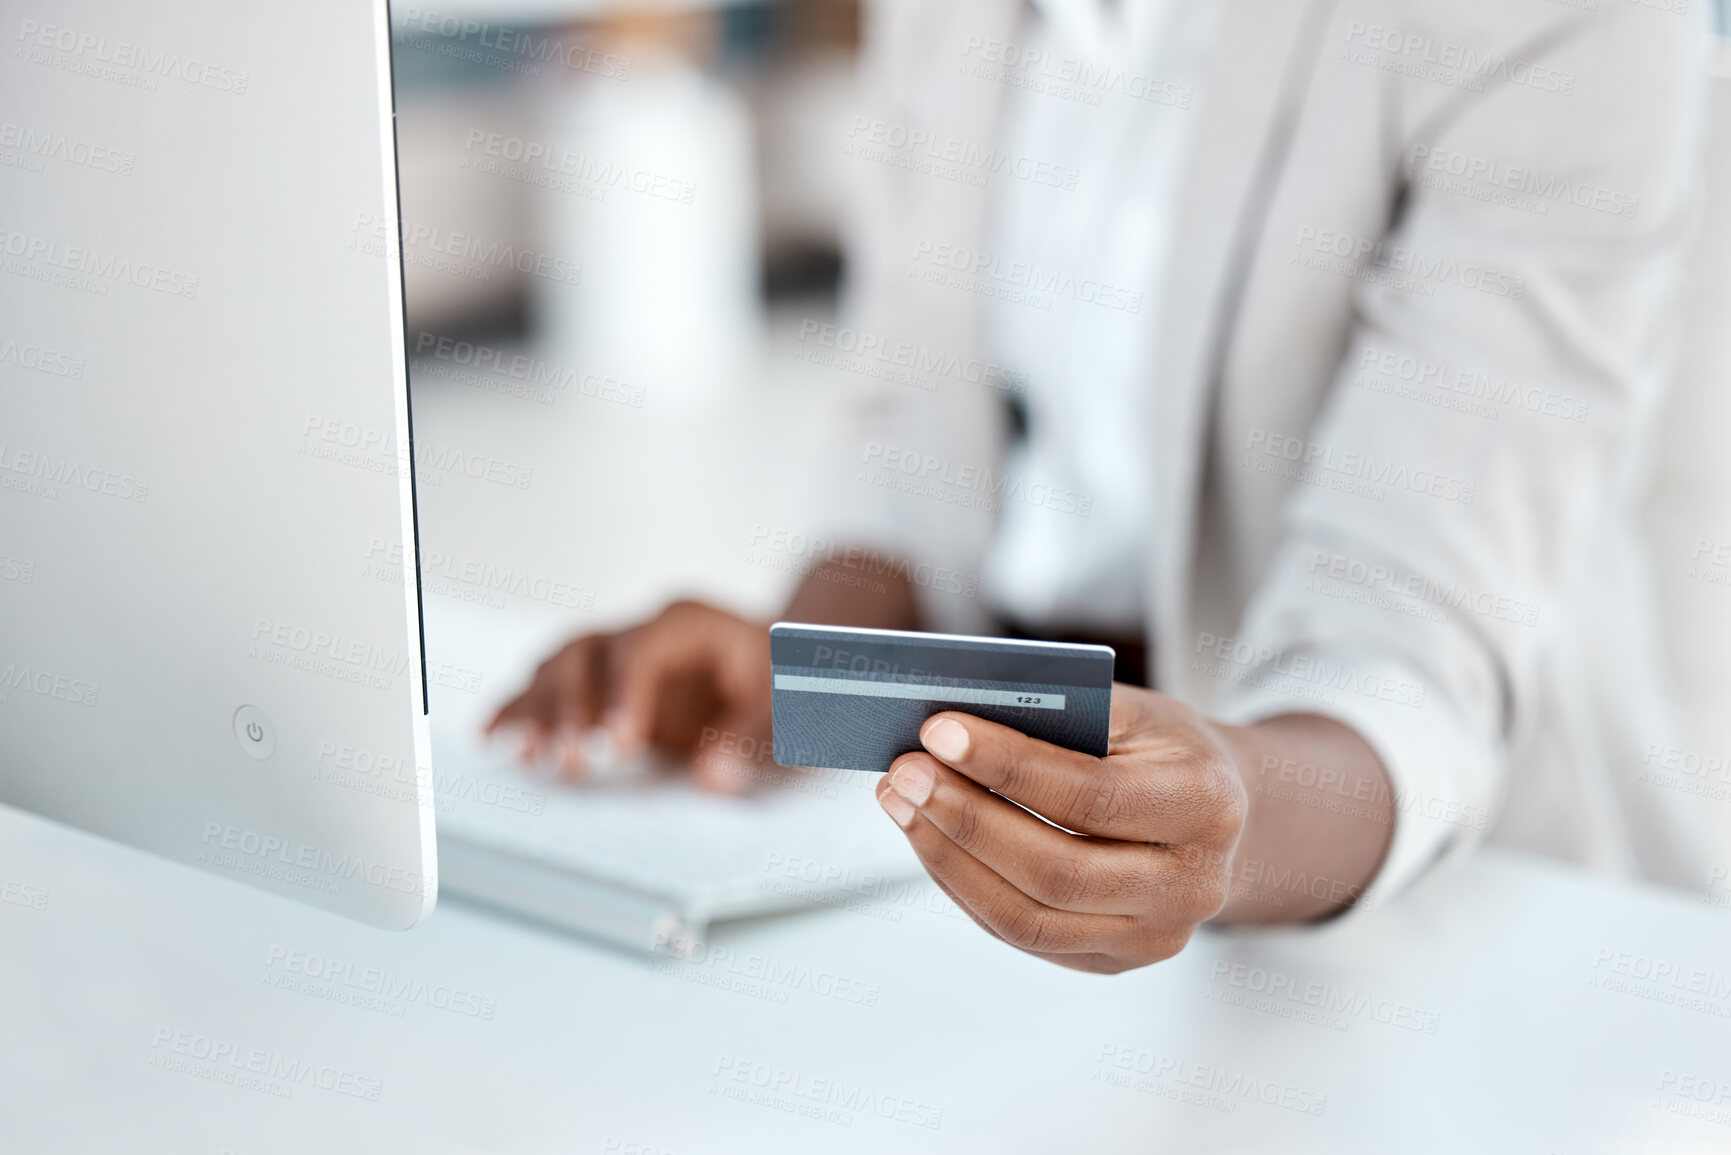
<point x="1185" y="820"/>
<point x="692" y="683"/>
<point x="676" y="683"/>
<point x="1139" y="847"/>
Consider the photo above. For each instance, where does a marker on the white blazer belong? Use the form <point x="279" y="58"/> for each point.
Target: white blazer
<point x="1419" y="324"/>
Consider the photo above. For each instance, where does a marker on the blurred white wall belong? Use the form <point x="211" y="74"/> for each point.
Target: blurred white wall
<point x="1691" y="498"/>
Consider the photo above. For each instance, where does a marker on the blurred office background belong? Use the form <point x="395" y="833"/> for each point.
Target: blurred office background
<point x="619" y="219"/>
<point x="641" y="202"/>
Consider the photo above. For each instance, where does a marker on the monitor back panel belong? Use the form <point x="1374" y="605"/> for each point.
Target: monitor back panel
<point x="209" y="641"/>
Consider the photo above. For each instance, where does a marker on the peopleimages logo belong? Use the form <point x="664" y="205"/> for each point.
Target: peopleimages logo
<point x="518" y="374"/>
<point x="810" y="553"/>
<point x="1662" y="980"/>
<point x="460" y="254"/>
<point x="41" y="359"/>
<point x="375" y="450"/>
<point x="1469" y="385"/>
<point x="1398" y="266"/>
<point x="1342" y="1003"/>
<point x="1688" y="771"/>
<point x="16" y="677"/>
<point x="296" y="855"/>
<point x="1253" y="665"/>
<point x="861" y="891"/>
<point x="1526" y="188"/>
<point x="924" y="475"/>
<point x="1448" y="62"/>
<point x="26" y="895"/>
<point x="758" y="975"/>
<point x="1066" y="77"/>
<point x="419" y="27"/>
<point x="898" y="361"/>
<point x="312" y="973"/>
<point x="1120" y="1064"/>
<point x="593" y="175"/>
<point x="257" y="1068"/>
<point x="1451" y="595"/>
<point x="87" y="51"/>
<point x="40" y="145"/>
<point x="86" y="269"/>
<point x="799" y="1093"/>
<point x="41" y="474"/>
<point x="325" y="644"/>
<point x="1349" y="471"/>
<point x="977" y="271"/>
<point x="1694" y="1096"/>
<point x="950" y="157"/>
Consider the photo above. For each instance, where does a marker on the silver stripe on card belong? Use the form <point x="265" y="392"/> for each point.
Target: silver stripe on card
<point x="967" y="694"/>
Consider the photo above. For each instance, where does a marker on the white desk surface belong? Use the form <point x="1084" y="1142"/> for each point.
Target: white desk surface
<point x="107" y="956"/>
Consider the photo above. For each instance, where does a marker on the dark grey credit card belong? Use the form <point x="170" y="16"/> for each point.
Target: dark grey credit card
<point x="855" y="699"/>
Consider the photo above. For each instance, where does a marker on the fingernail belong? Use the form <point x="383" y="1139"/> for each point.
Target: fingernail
<point x="617" y="724"/>
<point x="570" y="753"/>
<point x="897" y="807"/>
<point x="913" y="781"/>
<point x="947" y="739"/>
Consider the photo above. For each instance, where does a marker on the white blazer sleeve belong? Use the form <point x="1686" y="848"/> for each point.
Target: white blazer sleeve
<point x="1485" y="524"/>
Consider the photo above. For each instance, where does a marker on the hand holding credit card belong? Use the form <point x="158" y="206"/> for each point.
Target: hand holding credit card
<point x="1091" y="824"/>
<point x="851" y="699"/>
<point x="1088" y="827"/>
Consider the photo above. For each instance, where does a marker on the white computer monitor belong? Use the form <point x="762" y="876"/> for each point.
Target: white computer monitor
<point x="209" y="615"/>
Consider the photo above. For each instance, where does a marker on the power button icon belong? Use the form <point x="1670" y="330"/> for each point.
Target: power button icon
<point x="254" y="732"/>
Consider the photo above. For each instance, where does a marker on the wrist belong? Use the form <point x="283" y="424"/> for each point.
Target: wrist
<point x="1318" y="818"/>
<point x="1242" y="750"/>
<point x="833" y="594"/>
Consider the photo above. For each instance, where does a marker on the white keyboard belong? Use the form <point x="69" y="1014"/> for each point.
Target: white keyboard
<point x="640" y="856"/>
